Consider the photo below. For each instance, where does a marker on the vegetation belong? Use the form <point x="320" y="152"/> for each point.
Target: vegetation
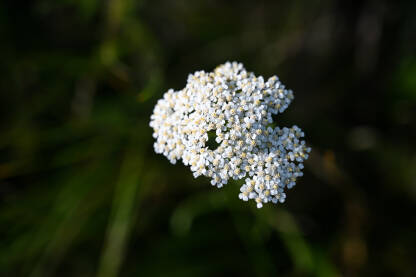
<point x="82" y="192"/>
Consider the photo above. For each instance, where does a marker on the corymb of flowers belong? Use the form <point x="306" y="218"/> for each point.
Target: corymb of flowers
<point x="233" y="107"/>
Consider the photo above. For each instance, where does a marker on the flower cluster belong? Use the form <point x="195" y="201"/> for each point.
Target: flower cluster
<point x="235" y="107"/>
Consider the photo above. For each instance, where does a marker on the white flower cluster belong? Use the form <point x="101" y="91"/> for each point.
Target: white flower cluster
<point x="236" y="108"/>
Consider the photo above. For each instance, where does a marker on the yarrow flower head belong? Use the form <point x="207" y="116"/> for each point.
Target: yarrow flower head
<point x="237" y="108"/>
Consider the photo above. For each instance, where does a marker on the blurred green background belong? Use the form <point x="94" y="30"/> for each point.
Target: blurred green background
<point x="82" y="192"/>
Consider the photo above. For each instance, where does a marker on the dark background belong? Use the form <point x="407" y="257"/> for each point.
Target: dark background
<point x="82" y="192"/>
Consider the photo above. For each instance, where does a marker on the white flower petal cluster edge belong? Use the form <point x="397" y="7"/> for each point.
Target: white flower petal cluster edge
<point x="237" y="106"/>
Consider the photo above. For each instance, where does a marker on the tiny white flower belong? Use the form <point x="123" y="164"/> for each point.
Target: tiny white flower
<point x="237" y="107"/>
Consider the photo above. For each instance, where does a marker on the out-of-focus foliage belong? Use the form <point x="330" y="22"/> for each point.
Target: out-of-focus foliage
<point x="83" y="194"/>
